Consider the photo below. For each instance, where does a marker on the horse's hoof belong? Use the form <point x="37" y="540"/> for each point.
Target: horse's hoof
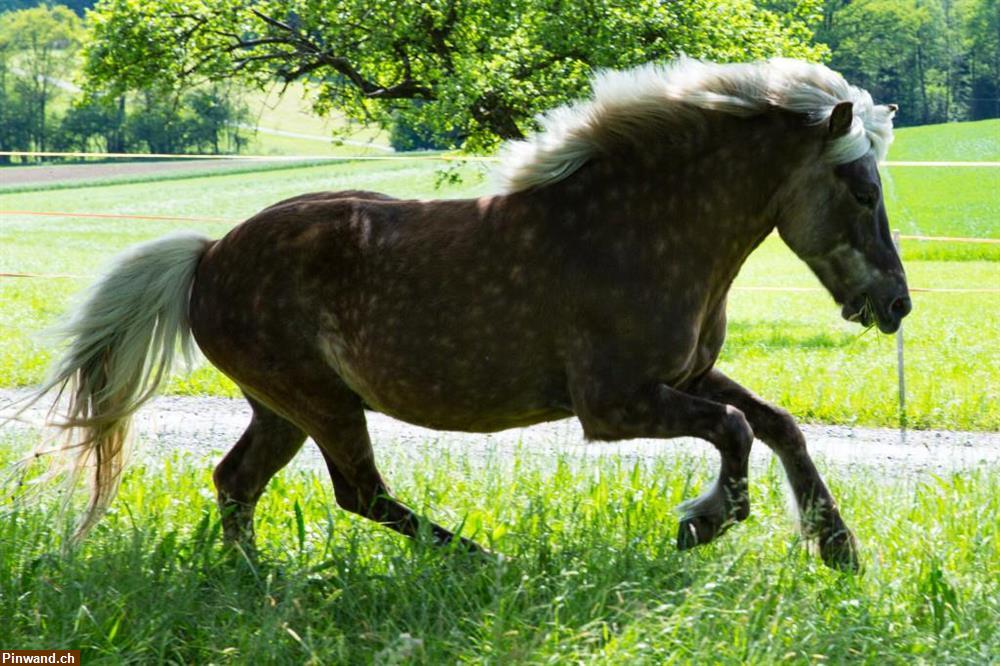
<point x="840" y="551"/>
<point x="741" y="509"/>
<point x="470" y="546"/>
<point x="698" y="530"/>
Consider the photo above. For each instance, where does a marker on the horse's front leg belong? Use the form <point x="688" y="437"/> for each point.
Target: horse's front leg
<point x="656" y="410"/>
<point x="818" y="511"/>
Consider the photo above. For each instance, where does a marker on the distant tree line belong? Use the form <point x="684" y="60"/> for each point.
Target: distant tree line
<point x="42" y="109"/>
<point x="160" y="76"/>
<point x="938" y="59"/>
<point x="79" y="7"/>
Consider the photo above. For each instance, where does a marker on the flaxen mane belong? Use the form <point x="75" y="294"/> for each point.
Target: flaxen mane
<point x="624" y="101"/>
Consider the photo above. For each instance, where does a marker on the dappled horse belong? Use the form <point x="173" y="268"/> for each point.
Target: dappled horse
<point x="593" y="285"/>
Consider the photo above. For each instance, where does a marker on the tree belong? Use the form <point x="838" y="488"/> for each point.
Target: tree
<point x="939" y="59"/>
<point x="984" y="59"/>
<point x="479" y="69"/>
<point x="15" y="131"/>
<point x="78" y="6"/>
<point x="40" y="44"/>
<point x="212" y="120"/>
<point x="895" y="49"/>
<point x="94" y="124"/>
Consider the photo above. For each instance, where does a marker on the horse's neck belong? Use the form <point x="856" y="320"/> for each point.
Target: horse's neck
<point x="713" y="205"/>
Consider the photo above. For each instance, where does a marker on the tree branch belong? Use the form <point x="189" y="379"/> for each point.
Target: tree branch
<point x="312" y="57"/>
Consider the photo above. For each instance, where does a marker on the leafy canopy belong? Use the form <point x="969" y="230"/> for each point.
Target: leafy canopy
<point x="472" y="71"/>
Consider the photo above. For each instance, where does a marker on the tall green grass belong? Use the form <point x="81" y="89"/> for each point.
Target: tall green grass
<point x="585" y="571"/>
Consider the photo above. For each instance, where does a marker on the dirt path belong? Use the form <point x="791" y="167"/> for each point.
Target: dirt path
<point x="209" y="426"/>
<point x="59" y="173"/>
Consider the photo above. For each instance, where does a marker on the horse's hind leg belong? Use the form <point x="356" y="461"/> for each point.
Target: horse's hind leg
<point x="357" y="484"/>
<point x="267" y="445"/>
<point x="818" y="511"/>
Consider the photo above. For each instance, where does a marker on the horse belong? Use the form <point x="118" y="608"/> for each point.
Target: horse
<point x="592" y="284"/>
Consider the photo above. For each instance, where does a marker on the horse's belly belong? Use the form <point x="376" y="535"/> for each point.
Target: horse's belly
<point x="474" y="422"/>
<point x="450" y="391"/>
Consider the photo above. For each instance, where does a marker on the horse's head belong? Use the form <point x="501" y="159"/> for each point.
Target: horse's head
<point x="833" y="217"/>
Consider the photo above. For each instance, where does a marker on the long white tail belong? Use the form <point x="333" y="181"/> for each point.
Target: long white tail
<point x="123" y="339"/>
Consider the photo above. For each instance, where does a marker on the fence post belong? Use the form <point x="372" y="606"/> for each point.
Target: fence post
<point x="899" y="355"/>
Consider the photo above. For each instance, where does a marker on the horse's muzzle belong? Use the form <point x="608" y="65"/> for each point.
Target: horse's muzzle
<point x="886" y="313"/>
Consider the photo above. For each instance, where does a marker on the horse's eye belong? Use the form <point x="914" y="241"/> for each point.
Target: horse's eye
<point x="866" y="197"/>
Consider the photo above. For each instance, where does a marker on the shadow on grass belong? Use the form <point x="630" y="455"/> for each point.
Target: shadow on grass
<point x="758" y="335"/>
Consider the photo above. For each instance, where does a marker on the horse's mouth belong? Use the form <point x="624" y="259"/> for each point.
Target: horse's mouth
<point x="864" y="310"/>
<point x="860" y="313"/>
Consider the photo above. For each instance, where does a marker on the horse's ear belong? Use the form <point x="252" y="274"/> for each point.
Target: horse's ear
<point x="841" y="119"/>
<point x="893" y="108"/>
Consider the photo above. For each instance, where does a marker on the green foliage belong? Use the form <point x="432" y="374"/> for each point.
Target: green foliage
<point x="415" y="129"/>
<point x="983" y="44"/>
<point x="202" y="120"/>
<point x="96" y="124"/>
<point x="78" y="6"/>
<point x="938" y="59"/>
<point x="206" y="120"/>
<point x="37" y="49"/>
<point x="482" y="68"/>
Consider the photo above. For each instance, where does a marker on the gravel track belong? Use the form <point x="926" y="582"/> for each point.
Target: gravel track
<point x="207" y="427"/>
<point x="59" y="173"/>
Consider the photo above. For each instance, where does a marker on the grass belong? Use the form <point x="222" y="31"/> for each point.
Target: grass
<point x="589" y="572"/>
<point x="790" y="347"/>
<point x="977" y="141"/>
<point x="945" y="202"/>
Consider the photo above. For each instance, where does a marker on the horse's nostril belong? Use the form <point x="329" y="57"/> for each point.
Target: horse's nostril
<point x="901" y="306"/>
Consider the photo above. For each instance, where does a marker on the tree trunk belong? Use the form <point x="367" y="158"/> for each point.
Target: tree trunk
<point x="922" y="81"/>
<point x="490" y="112"/>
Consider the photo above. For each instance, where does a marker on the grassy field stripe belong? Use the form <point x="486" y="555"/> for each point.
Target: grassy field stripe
<point x="117" y="216"/>
<point x="951" y="239"/>
<point x="957" y="290"/>
<point x="923" y="290"/>
<point x="940" y="164"/>
<point x="47" y="275"/>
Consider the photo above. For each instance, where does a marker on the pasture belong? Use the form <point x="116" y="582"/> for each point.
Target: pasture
<point x="589" y="569"/>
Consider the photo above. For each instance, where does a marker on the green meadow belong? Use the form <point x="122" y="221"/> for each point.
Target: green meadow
<point x="791" y="347"/>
